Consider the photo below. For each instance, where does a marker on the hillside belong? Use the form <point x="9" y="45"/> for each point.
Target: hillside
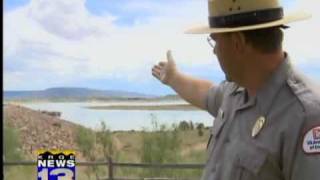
<point x="42" y="131"/>
<point x="39" y="131"/>
<point x="66" y="93"/>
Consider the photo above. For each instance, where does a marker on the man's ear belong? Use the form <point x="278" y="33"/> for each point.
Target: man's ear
<point x="239" y="41"/>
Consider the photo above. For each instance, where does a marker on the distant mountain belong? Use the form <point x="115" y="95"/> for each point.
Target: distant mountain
<point x="71" y="94"/>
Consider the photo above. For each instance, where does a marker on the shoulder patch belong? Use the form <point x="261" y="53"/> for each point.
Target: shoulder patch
<point x="311" y="141"/>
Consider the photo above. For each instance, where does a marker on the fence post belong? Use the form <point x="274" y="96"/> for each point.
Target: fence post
<point x="110" y="168"/>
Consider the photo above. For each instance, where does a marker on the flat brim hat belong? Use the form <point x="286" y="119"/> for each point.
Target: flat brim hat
<point x="242" y="15"/>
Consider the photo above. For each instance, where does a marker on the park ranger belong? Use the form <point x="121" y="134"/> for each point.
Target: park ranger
<point x="267" y="116"/>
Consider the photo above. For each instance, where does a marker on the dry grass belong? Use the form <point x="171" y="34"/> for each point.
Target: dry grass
<point x="127" y="145"/>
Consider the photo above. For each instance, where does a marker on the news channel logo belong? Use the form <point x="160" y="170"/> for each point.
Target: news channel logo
<point x="56" y="165"/>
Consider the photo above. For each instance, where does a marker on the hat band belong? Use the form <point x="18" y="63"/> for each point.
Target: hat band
<point x="245" y="19"/>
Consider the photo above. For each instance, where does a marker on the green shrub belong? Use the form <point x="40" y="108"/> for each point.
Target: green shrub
<point x="200" y="128"/>
<point x="85" y="139"/>
<point x="191" y="125"/>
<point x="184" y="125"/>
<point x="104" y="137"/>
<point x="200" y="132"/>
<point x="12" y="145"/>
<point x="12" y="152"/>
<point x="162" y="145"/>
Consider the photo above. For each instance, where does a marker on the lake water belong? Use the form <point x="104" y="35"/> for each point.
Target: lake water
<point x="122" y="119"/>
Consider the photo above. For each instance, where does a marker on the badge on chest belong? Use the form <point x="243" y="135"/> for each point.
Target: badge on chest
<point x="258" y="126"/>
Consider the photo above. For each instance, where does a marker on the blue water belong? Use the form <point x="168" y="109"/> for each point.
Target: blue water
<point x="120" y="119"/>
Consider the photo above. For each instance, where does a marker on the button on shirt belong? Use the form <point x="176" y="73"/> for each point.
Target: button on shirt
<point x="288" y="112"/>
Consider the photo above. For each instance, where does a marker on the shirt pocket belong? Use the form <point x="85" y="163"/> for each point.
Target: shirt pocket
<point x="250" y="161"/>
<point x="215" y="131"/>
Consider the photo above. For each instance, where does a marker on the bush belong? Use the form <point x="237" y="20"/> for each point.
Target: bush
<point x="200" y="128"/>
<point x="12" y="145"/>
<point x="12" y="152"/>
<point x="200" y="132"/>
<point x="85" y="139"/>
<point x="191" y="125"/>
<point x="104" y="137"/>
<point x="162" y="145"/>
<point x="184" y="125"/>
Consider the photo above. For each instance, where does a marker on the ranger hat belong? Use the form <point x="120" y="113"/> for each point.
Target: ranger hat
<point x="241" y="15"/>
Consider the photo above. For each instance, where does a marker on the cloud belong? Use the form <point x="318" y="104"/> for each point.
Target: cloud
<point x="302" y="40"/>
<point x="59" y="42"/>
<point x="63" y="38"/>
<point x="68" y="19"/>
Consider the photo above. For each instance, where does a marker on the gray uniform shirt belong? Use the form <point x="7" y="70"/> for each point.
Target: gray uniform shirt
<point x="287" y="146"/>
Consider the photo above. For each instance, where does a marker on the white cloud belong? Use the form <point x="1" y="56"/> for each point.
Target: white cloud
<point x="63" y="40"/>
<point x="63" y="35"/>
<point x="302" y="39"/>
<point x="68" y="19"/>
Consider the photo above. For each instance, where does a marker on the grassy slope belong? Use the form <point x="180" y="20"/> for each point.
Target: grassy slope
<point x="31" y="125"/>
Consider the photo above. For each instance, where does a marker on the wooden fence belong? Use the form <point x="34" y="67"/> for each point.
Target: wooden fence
<point x="111" y="165"/>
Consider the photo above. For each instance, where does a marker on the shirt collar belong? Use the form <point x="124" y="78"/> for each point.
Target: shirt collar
<point x="266" y="95"/>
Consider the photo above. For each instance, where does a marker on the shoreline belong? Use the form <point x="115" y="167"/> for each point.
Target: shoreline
<point x="167" y="107"/>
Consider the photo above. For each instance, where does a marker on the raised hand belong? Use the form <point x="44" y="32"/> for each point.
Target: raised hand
<point x="165" y="70"/>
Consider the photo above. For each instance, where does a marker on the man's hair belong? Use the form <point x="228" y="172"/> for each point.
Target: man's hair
<point x="266" y="40"/>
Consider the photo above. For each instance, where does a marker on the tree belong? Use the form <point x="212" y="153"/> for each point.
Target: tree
<point x="200" y="132"/>
<point x="161" y="145"/>
<point x="85" y="140"/>
<point x="104" y="137"/>
<point x="184" y="125"/>
<point x="200" y="127"/>
<point x="191" y="125"/>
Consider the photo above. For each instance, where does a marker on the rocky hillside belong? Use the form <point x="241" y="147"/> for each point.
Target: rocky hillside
<point x="40" y="131"/>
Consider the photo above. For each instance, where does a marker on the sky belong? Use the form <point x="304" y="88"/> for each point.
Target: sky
<point x="113" y="44"/>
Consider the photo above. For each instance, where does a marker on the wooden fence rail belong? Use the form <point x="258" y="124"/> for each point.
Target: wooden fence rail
<point x="111" y="165"/>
